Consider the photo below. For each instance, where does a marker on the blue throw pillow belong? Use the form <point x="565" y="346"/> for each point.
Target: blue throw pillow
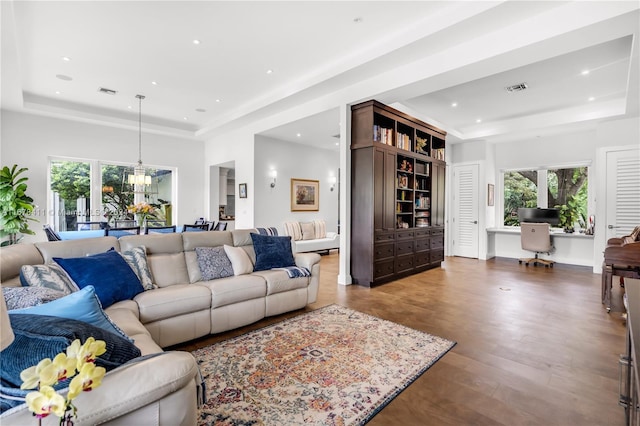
<point x="109" y="273"/>
<point x="272" y="252"/>
<point x="82" y="305"/>
<point x="39" y="336"/>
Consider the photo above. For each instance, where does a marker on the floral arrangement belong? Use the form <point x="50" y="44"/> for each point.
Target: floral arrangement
<point x="141" y="208"/>
<point x="79" y="361"/>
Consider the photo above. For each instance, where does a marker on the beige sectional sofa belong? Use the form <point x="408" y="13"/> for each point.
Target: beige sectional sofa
<point x="161" y="390"/>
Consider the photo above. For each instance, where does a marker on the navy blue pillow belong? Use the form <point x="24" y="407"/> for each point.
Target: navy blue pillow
<point x="109" y="273"/>
<point x="40" y="336"/>
<point x="272" y="252"/>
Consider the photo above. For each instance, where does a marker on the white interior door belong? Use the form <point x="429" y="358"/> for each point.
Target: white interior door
<point x="466" y="208"/>
<point x="623" y="192"/>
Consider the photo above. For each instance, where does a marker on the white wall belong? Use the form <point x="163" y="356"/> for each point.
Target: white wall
<point x="292" y="160"/>
<point x="30" y="140"/>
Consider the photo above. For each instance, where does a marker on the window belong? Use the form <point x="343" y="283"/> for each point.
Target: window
<point x="520" y="190"/>
<point x="563" y="188"/>
<point x="73" y="201"/>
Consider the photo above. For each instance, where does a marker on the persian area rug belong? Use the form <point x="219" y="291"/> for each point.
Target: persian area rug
<point x="332" y="366"/>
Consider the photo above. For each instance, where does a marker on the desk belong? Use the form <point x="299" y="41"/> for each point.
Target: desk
<point x="572" y="249"/>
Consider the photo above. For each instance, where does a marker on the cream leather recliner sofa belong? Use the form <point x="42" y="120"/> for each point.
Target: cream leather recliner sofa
<point x="162" y="389"/>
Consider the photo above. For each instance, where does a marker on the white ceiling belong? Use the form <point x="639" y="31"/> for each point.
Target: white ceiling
<point x="417" y="56"/>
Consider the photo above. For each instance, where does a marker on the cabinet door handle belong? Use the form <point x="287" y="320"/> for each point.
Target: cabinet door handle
<point x="623" y="384"/>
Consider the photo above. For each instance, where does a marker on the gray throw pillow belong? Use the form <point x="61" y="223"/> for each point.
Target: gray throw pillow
<point x="26" y="297"/>
<point x="137" y="260"/>
<point x="50" y="276"/>
<point x="213" y="263"/>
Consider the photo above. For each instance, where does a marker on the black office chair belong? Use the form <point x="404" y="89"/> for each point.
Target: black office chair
<point x="51" y="234"/>
<point x="160" y="229"/>
<point x="220" y="226"/>
<point x="195" y="228"/>
<point x="121" y="232"/>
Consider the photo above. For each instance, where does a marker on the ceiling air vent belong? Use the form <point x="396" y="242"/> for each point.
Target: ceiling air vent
<point x="517" y="87"/>
<point x="107" y="91"/>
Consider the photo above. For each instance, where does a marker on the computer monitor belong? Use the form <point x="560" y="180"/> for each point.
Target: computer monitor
<point x="538" y="215"/>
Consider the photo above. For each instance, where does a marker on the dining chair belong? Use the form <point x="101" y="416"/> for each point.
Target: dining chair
<point x="51" y="234"/>
<point x="220" y="226"/>
<point x="195" y="228"/>
<point x="124" y="223"/>
<point x="160" y="229"/>
<point x="121" y="232"/>
<point x="91" y="226"/>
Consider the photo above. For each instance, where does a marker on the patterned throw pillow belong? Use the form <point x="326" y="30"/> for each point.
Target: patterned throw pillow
<point x="49" y="276"/>
<point x="137" y="259"/>
<point x="293" y="230"/>
<point x="214" y="263"/>
<point x="26" y="297"/>
<point x="308" y="231"/>
<point x="321" y="228"/>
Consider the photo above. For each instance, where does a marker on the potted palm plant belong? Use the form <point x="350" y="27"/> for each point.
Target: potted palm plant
<point x="15" y="205"/>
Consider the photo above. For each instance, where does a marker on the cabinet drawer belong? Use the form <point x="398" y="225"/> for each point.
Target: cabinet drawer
<point x="382" y="251"/>
<point x="404" y="235"/>
<point x="423" y="244"/>
<point x="404" y="247"/>
<point x="421" y="232"/>
<point x="437" y="230"/>
<point x="437" y="242"/>
<point x="384" y="236"/>
<point x="436" y="256"/>
<point x="404" y="263"/>
<point x="383" y="269"/>
<point x="422" y="258"/>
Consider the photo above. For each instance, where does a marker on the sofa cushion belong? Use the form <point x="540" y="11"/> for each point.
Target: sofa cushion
<point x="293" y="230"/>
<point x="108" y="273"/>
<point x="39" y="337"/>
<point x="82" y="305"/>
<point x="320" y="228"/>
<point x="129" y="323"/>
<point x="136" y="258"/>
<point x="308" y="230"/>
<point x="240" y="261"/>
<point x="278" y="281"/>
<point x="226" y="291"/>
<point x="168" y="269"/>
<point x="272" y="252"/>
<point x="172" y="301"/>
<point x="49" y="276"/>
<point x="213" y="263"/>
<point x="27" y="297"/>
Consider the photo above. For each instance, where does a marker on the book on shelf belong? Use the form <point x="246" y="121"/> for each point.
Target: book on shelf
<point x="423" y="202"/>
<point x="438" y="153"/>
<point x="422" y="222"/>
<point x="403" y="142"/>
<point x="382" y="135"/>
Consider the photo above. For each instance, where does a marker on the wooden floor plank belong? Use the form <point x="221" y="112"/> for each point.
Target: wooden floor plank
<point x="534" y="345"/>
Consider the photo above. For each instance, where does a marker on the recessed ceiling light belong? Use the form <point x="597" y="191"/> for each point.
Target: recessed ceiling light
<point x="201" y="110"/>
<point x="337" y="143"/>
<point x="591" y="98"/>
<point x="196" y="41"/>
<point x="585" y="72"/>
<point x="479" y="120"/>
<point x="66" y="58"/>
<point x="63" y="77"/>
<point x="155" y="83"/>
<point x="218" y="100"/>
<point x="298" y="134"/>
<point x="129" y="107"/>
<point x="454" y="104"/>
<point x="269" y="71"/>
<point x="185" y="118"/>
<point x="57" y="92"/>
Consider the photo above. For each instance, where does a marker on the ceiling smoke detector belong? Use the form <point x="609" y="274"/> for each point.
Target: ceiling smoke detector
<point x="107" y="91"/>
<point x="517" y="87"/>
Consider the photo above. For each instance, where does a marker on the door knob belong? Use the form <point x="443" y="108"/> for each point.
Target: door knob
<point x="612" y="227"/>
<point x="475" y="222"/>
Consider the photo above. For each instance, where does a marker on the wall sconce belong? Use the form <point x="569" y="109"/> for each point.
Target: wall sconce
<point x="274" y="175"/>
<point x="332" y="182"/>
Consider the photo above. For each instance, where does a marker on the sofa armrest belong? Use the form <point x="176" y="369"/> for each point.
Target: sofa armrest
<point x="125" y="390"/>
<point x="306" y="260"/>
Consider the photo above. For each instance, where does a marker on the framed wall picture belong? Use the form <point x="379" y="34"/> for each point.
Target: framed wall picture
<point x="305" y="195"/>
<point x="242" y="190"/>
<point x="490" y="194"/>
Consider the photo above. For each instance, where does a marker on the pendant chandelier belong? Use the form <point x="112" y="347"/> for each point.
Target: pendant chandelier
<point x="139" y="180"/>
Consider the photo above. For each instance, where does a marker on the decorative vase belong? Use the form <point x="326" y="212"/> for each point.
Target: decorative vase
<point x="140" y="220"/>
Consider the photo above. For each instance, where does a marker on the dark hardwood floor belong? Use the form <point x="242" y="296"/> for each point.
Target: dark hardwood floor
<point x="535" y="345"/>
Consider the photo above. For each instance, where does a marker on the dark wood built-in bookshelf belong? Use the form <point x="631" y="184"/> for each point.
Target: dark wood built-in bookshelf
<point x="397" y="204"/>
